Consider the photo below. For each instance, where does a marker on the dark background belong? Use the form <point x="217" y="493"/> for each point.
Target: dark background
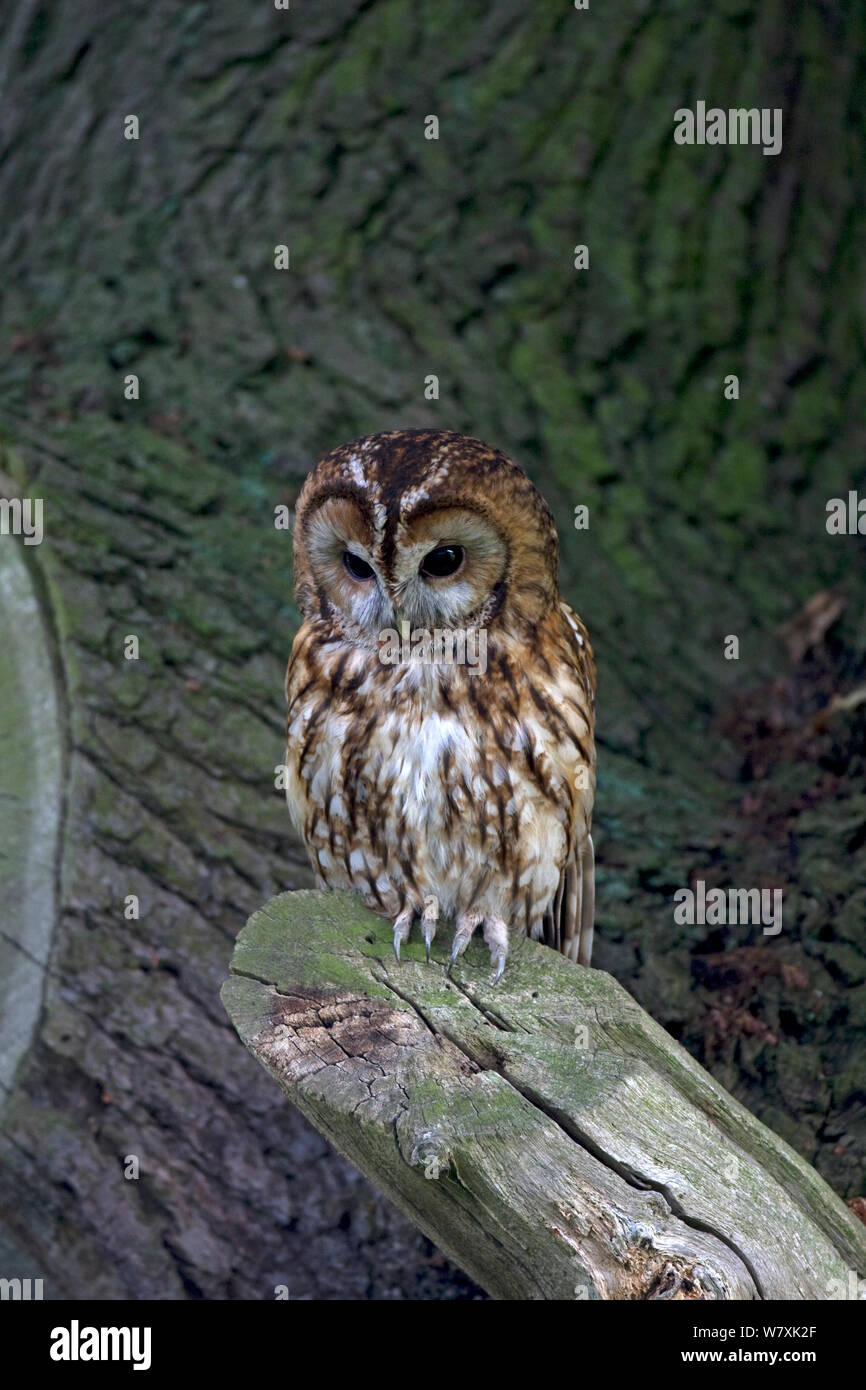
<point x="409" y="258"/>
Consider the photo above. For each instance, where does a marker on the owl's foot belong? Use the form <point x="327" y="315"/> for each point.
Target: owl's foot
<point x="466" y="924"/>
<point x="429" y="920"/>
<point x="496" y="937"/>
<point x="402" y="928"/>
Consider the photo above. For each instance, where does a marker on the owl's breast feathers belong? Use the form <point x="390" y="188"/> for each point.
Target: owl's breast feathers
<point x="473" y="786"/>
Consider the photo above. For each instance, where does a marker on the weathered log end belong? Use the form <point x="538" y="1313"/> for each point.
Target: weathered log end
<point x="548" y="1135"/>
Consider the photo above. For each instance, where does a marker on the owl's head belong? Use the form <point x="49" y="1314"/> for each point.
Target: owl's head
<point x="426" y="526"/>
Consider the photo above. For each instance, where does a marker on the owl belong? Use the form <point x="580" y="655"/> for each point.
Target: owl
<point x="440" y="753"/>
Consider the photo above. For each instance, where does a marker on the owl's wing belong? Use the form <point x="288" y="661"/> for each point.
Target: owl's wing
<point x="569" y="928"/>
<point x="302" y="679"/>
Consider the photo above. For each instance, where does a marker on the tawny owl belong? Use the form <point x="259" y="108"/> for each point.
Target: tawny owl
<point x="441" y="696"/>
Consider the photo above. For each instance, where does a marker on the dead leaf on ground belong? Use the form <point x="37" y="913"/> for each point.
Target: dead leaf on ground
<point x="858" y="1206"/>
<point x="808" y="628"/>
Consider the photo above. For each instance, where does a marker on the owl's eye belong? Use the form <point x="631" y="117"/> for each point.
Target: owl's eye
<point x="358" y="568"/>
<point x="444" y="560"/>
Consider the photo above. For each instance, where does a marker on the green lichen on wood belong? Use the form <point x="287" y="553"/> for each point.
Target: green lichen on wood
<point x="455" y="1066"/>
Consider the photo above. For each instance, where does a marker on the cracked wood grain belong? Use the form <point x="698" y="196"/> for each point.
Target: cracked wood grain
<point x="550" y="1137"/>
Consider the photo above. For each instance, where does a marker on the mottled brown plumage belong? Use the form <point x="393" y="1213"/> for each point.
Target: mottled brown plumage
<point x="434" y="787"/>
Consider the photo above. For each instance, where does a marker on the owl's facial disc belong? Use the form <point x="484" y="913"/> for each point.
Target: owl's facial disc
<point x="340" y="548"/>
<point x="447" y="566"/>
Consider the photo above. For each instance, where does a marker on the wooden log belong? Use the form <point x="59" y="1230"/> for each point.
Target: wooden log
<point x="546" y="1133"/>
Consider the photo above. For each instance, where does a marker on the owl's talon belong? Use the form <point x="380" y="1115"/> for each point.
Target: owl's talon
<point x="466" y="924"/>
<point x="429" y="919"/>
<point x="496" y="936"/>
<point x="402" y="928"/>
<point x="460" y="944"/>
